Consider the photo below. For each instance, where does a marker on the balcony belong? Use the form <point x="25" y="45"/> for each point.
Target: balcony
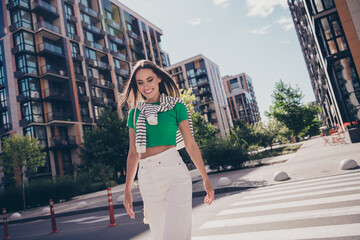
<point x="45" y="9"/>
<point x="208" y="110"/>
<point x="71" y="2"/>
<point x="33" y="96"/>
<point x="101" y="83"/>
<point x="35" y="118"/>
<point x="70" y="18"/>
<point x="122" y="72"/>
<point x="80" y="77"/>
<point x="3" y="106"/>
<point x="74" y="37"/>
<point x="48" y="30"/>
<point x="57" y="116"/>
<point x="98" y="64"/>
<point x="14" y="4"/>
<point x="202" y="83"/>
<point x="5" y="128"/>
<point x="48" y="49"/>
<point x="56" y="94"/>
<point x="77" y="57"/>
<point x="119" y="55"/>
<point x="91" y="12"/>
<point x="203" y="91"/>
<point x="134" y="35"/>
<point x="54" y="74"/>
<point x="86" y="119"/>
<point x="26" y="71"/>
<point x="20" y="24"/>
<point x="213" y="120"/>
<point x="23" y="48"/>
<point x="94" y="29"/>
<point x="83" y="98"/>
<point x="200" y="73"/>
<point x="111" y="102"/>
<point x="114" y="24"/>
<point x="117" y="40"/>
<point x="63" y="142"/>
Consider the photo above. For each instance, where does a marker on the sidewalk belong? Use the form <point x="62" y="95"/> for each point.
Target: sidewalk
<point x="312" y="160"/>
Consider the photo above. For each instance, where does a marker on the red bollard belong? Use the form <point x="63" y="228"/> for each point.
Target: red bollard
<point x="111" y="209"/>
<point x="52" y="212"/>
<point x="6" y="231"/>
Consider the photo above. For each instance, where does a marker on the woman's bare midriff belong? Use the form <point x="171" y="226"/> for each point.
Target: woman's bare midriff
<point x="151" y="151"/>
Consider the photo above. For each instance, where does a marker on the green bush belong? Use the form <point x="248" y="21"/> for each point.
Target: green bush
<point x="11" y="199"/>
<point x="221" y="154"/>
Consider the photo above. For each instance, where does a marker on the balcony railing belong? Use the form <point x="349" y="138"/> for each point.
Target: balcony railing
<point x="116" y="39"/>
<point x="48" y="26"/>
<point x="118" y="54"/>
<point x="23" y="47"/>
<point x="101" y="82"/>
<point x="50" y="69"/>
<point x="80" y="77"/>
<point x="42" y="7"/>
<point x="22" y="23"/>
<point x="134" y="35"/>
<point x="5" y="128"/>
<point x="18" y="3"/>
<point x="58" y="116"/>
<point x="56" y="93"/>
<point x="63" y="142"/>
<point x="86" y="119"/>
<point x="90" y="11"/>
<point x="50" y="48"/>
<point x="114" y="24"/>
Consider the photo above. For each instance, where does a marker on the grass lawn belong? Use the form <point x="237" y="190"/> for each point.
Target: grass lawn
<point x="275" y="152"/>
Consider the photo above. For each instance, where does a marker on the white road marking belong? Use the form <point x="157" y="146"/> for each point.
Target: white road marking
<point x="321" y="213"/>
<point x="306" y="194"/>
<point x="301" y="203"/>
<point x="330" y="231"/>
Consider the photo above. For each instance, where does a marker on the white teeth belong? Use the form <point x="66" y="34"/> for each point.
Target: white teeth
<point x="148" y="91"/>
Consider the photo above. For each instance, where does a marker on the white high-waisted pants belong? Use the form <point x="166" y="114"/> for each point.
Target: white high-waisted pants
<point x="166" y="189"/>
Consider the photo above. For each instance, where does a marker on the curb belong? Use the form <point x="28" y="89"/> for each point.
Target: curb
<point x="119" y="206"/>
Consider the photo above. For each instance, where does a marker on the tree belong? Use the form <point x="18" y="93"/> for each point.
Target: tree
<point x="288" y="109"/>
<point x="242" y="134"/>
<point x="21" y="155"/>
<point x="313" y="124"/>
<point x="106" y="146"/>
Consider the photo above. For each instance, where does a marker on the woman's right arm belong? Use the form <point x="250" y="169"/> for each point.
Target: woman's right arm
<point x="131" y="166"/>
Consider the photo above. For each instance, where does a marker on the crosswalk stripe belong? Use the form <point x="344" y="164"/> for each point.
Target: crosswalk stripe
<point x="286" y="187"/>
<point x="268" y="188"/>
<point x="297" y="190"/>
<point x="306" y="194"/>
<point x="292" y="233"/>
<point x="301" y="203"/>
<point x="321" y="213"/>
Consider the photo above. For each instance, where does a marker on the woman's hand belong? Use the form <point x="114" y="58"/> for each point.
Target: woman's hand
<point x="209" y="192"/>
<point x="128" y="204"/>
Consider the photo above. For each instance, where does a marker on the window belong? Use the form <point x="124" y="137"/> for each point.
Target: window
<point x="93" y="72"/>
<point x="81" y="89"/>
<point x="75" y="50"/>
<point x="96" y="92"/>
<point x="32" y="111"/>
<point x="234" y="85"/>
<point x="333" y="34"/>
<point x="322" y="5"/>
<point x="71" y="30"/>
<point x="69" y="11"/>
<point x="128" y="21"/>
<point x="38" y="132"/>
<point x="85" y="18"/>
<point x="89" y="53"/>
<point x="78" y="68"/>
<point x="84" y="111"/>
<point x="89" y="36"/>
<point x="24" y="41"/>
<point x="5" y="122"/>
<point x="21" y="18"/>
<point x="3" y="98"/>
<point x="98" y="110"/>
<point x="108" y="14"/>
<point x="30" y="87"/>
<point x="27" y="64"/>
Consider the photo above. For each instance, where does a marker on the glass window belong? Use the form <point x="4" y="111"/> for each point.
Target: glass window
<point x="234" y="85"/>
<point x="85" y="18"/>
<point x="71" y="29"/>
<point x="38" y="132"/>
<point x="78" y="68"/>
<point x="27" y="64"/>
<point x="90" y="54"/>
<point x="75" y="50"/>
<point x="84" y="110"/>
<point x="81" y="89"/>
<point x="30" y="87"/>
<point x="21" y="18"/>
<point x="24" y="41"/>
<point x="69" y="11"/>
<point x="96" y="92"/>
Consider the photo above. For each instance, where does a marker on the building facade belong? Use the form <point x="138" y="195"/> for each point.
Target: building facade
<point x="241" y="98"/>
<point x="62" y="62"/>
<point x="329" y="33"/>
<point x="203" y="76"/>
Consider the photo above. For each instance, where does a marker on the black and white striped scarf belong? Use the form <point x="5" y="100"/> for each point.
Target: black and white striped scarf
<point x="150" y="112"/>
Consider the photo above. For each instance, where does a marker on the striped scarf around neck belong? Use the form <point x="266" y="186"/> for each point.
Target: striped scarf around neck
<point x="149" y="112"/>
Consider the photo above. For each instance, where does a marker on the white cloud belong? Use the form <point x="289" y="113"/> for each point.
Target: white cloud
<point x="260" y="31"/>
<point x="263" y="8"/>
<point x="286" y="22"/>
<point x="223" y="3"/>
<point x="194" y="21"/>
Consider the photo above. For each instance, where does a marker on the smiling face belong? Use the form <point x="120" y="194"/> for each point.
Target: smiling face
<point x="148" y="84"/>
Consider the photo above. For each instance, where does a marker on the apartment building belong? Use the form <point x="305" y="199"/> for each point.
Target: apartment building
<point x="62" y="62"/>
<point x="203" y="76"/>
<point x="329" y="33"/>
<point x="241" y="98"/>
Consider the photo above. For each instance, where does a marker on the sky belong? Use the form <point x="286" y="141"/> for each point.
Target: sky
<point x="252" y="36"/>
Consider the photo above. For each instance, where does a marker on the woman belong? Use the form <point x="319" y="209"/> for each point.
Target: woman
<point x="164" y="181"/>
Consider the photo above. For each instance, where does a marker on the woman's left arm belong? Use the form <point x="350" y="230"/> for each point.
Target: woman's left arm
<point x="193" y="150"/>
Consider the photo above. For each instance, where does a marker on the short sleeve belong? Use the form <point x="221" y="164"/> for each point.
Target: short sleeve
<point x="130" y="121"/>
<point x="181" y="112"/>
